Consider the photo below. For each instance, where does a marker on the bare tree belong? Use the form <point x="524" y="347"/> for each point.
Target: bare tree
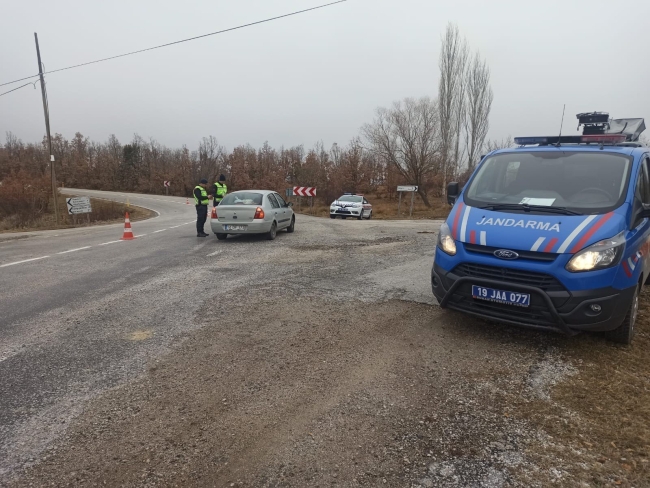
<point x="494" y="144"/>
<point x="479" y="99"/>
<point x="451" y="94"/>
<point x="406" y="137"/>
<point x="211" y="157"/>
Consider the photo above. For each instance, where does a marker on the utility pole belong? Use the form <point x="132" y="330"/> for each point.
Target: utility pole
<point x="46" y="111"/>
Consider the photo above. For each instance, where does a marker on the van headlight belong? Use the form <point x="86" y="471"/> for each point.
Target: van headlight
<point x="445" y="241"/>
<point x="603" y="254"/>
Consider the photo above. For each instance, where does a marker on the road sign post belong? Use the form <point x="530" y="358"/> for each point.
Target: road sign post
<point x="167" y="184"/>
<point x="77" y="206"/>
<point x="410" y="189"/>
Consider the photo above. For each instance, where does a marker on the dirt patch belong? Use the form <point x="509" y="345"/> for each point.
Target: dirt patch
<point x="340" y="394"/>
<point x="597" y="419"/>
<point x="350" y="243"/>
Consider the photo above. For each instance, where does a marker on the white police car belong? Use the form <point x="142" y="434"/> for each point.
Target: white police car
<point x="350" y="205"/>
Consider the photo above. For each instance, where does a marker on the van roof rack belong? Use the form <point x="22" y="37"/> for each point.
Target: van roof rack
<point x="597" y="128"/>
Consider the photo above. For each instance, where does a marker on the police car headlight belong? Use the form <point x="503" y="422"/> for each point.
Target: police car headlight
<point x="603" y="254"/>
<point x="445" y="241"/>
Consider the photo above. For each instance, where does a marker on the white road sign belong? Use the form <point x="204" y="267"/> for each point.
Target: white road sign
<point x="78" y="205"/>
<point x="407" y="188"/>
<point x="167" y="184"/>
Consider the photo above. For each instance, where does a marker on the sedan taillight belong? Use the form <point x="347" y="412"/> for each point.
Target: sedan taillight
<point x="259" y="213"/>
<point x="214" y="213"/>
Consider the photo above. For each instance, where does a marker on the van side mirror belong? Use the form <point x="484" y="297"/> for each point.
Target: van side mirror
<point x="452" y="192"/>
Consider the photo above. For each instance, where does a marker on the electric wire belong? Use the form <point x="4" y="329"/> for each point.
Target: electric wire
<point x="180" y="41"/>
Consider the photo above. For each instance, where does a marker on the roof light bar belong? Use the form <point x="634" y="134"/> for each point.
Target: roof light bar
<point x="604" y="138"/>
<point x="527" y="141"/>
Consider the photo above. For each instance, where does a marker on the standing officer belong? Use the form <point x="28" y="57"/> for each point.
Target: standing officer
<point x="220" y="190"/>
<point x="201" y="200"/>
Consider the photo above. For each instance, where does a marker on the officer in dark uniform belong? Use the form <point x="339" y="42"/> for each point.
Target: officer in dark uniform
<point x="201" y="201"/>
<point x="220" y="190"/>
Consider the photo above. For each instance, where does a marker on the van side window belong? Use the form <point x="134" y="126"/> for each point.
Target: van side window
<point x="646" y="177"/>
<point x="640" y="193"/>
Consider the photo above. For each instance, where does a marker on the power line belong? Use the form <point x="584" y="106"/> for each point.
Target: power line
<point x="179" y="42"/>
<point x="21" y="86"/>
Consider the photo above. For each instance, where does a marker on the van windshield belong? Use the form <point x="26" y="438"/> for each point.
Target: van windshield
<point x="584" y="182"/>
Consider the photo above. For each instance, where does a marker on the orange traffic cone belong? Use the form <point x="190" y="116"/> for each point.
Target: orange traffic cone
<point x="128" y="232"/>
<point x="187" y="201"/>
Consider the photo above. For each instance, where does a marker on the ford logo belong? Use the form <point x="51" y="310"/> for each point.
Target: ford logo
<point x="505" y="254"/>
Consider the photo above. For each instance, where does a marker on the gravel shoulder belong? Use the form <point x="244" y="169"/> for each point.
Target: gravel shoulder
<point x="321" y="359"/>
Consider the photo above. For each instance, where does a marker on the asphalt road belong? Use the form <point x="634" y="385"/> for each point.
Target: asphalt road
<point x="82" y="312"/>
<point x="318" y="359"/>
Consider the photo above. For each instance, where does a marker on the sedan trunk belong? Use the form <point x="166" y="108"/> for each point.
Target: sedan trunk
<point x="236" y="214"/>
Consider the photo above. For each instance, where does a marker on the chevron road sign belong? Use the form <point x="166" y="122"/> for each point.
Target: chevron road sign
<point x="304" y="191"/>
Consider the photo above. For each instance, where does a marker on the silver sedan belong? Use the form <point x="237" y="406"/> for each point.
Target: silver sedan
<point x="252" y="212"/>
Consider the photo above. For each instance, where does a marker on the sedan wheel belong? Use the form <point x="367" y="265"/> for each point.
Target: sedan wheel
<point x="273" y="232"/>
<point x="222" y="237"/>
<point x="292" y="227"/>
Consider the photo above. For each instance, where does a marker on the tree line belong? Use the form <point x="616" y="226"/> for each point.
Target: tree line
<point x="426" y="142"/>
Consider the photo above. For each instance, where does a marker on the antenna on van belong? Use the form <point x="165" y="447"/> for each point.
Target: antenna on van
<point x="561" y="125"/>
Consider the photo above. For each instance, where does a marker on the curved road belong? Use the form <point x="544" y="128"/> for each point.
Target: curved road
<point x="82" y="311"/>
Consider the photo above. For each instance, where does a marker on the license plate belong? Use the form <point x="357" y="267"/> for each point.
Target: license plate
<point x="234" y="227"/>
<point x="501" y="296"/>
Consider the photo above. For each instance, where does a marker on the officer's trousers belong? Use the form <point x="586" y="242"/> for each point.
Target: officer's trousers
<point x="201" y="217"/>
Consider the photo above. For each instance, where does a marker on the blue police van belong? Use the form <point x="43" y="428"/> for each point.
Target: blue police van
<point x="553" y="234"/>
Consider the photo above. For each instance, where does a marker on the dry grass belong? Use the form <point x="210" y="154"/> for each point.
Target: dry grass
<point x="599" y="419"/>
<point x="104" y="212"/>
<point x="384" y="208"/>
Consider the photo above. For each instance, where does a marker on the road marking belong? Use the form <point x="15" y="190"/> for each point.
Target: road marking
<point x="140" y="235"/>
<point x="161" y="230"/>
<point x="73" y="250"/>
<point x="109" y="242"/>
<point x="214" y="253"/>
<point x="23" y="261"/>
<point x="176" y="226"/>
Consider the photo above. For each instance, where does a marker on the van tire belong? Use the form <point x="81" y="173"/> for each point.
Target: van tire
<point x="625" y="332"/>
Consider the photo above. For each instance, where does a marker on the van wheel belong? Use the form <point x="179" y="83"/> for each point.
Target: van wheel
<point x="625" y="332"/>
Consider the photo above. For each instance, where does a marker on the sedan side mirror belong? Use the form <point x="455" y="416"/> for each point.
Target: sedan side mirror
<point x="452" y="192"/>
<point x="290" y="204"/>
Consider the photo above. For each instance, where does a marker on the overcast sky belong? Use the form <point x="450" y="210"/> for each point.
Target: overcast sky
<point x="316" y="76"/>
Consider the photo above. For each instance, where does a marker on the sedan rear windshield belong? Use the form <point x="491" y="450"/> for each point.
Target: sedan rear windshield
<point x="584" y="182"/>
<point x="242" y="198"/>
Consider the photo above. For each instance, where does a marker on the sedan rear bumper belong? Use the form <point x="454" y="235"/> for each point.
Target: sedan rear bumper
<point x="255" y="227"/>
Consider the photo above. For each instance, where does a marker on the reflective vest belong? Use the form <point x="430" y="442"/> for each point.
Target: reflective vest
<point x="222" y="189"/>
<point x="204" y="196"/>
